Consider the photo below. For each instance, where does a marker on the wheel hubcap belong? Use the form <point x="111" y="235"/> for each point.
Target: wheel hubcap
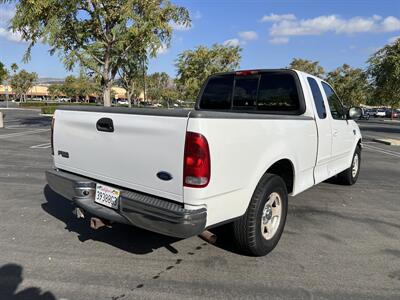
<point x="271" y="216"/>
<point x="354" y="169"/>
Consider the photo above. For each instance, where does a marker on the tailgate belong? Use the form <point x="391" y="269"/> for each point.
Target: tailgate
<point x="140" y="146"/>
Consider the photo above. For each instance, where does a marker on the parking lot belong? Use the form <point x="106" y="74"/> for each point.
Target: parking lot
<point x="340" y="242"/>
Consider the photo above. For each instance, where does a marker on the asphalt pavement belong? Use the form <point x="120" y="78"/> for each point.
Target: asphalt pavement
<point x="339" y="242"/>
<point x="381" y="128"/>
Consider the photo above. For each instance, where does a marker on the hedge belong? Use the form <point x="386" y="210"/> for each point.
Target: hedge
<point x="45" y="104"/>
<point x="48" y="110"/>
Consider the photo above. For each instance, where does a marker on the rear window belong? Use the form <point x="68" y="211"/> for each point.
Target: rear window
<point x="218" y="93"/>
<point x="265" y="92"/>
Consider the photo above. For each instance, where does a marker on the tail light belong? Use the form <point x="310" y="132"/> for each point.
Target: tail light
<point x="52" y="136"/>
<point x="197" y="163"/>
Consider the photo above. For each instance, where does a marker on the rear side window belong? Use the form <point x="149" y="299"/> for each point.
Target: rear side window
<point x="318" y="99"/>
<point x="277" y="92"/>
<point x="218" y="93"/>
<point x="269" y="91"/>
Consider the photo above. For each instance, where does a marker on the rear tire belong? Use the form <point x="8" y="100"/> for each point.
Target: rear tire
<point x="258" y="231"/>
<point x="350" y="175"/>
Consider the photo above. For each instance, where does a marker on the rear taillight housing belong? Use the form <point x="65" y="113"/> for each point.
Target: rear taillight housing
<point x="197" y="163"/>
<point x="52" y="136"/>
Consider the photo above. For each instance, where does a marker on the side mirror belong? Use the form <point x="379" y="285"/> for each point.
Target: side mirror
<point x="354" y="113"/>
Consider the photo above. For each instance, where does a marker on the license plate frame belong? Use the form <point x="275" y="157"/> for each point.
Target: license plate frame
<point x="107" y="196"/>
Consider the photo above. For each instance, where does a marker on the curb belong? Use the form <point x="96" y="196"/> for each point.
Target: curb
<point x="390" y="142"/>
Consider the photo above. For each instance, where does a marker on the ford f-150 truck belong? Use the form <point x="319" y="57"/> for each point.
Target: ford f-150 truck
<point x="253" y="138"/>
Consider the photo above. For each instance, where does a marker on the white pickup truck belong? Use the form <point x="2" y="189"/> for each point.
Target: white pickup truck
<point x="254" y="138"/>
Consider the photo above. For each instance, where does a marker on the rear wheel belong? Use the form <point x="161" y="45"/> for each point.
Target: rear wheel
<point x="258" y="231"/>
<point x="350" y="175"/>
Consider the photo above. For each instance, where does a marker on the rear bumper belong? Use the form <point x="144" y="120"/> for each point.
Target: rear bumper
<point x="138" y="209"/>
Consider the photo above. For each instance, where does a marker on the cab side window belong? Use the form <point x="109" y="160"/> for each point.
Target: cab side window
<point x="336" y="107"/>
<point x="318" y="99"/>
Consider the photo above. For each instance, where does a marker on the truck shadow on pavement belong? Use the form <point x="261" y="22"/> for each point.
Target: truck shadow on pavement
<point x="11" y="278"/>
<point x="124" y="237"/>
<point x="36" y="121"/>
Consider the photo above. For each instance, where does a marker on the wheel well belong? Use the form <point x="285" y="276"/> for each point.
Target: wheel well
<point x="284" y="169"/>
<point x="359" y="143"/>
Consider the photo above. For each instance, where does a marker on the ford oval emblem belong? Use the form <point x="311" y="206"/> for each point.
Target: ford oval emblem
<point x="164" y="176"/>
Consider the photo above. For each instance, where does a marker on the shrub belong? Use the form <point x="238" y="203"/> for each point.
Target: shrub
<point x="48" y="110"/>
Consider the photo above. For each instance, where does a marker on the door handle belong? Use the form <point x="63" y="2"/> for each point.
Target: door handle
<point x="335" y="132"/>
<point x="105" y="124"/>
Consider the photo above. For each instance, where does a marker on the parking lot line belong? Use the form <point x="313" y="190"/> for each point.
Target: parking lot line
<point x="16" y="134"/>
<point x="387" y="150"/>
<point x="380" y="150"/>
<point x="41" y="146"/>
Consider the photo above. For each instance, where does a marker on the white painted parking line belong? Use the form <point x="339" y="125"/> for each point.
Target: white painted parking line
<point x="16" y="134"/>
<point x="16" y="126"/>
<point x="380" y="150"/>
<point x="387" y="150"/>
<point x="41" y="146"/>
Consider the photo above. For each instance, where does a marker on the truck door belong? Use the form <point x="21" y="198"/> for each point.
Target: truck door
<point x="342" y="134"/>
<point x="321" y="170"/>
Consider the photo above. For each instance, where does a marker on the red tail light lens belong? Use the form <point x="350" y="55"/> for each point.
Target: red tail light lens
<point x="52" y="136"/>
<point x="246" y="73"/>
<point x="197" y="164"/>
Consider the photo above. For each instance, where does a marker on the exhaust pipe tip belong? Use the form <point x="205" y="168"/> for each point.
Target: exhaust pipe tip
<point x="208" y="236"/>
<point x="79" y="213"/>
<point x="96" y="223"/>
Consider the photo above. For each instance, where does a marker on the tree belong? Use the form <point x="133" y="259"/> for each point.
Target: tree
<point x="157" y="83"/>
<point x="194" y="66"/>
<point x="384" y="71"/>
<point x="14" y="67"/>
<point x="351" y="85"/>
<point x="78" y="87"/>
<point x="308" y="66"/>
<point x="3" y="73"/>
<point x="22" y="82"/>
<point x="55" y="90"/>
<point x="131" y="76"/>
<point x="98" y="34"/>
<point x="162" y="88"/>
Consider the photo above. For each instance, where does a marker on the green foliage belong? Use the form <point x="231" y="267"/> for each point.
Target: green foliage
<point x="21" y="82"/>
<point x="3" y="73"/>
<point x="384" y="71"/>
<point x="80" y="87"/>
<point x="194" y="66"/>
<point x="48" y="110"/>
<point x="98" y="34"/>
<point x="157" y="84"/>
<point x="77" y="88"/>
<point x="350" y="84"/>
<point x="55" y="90"/>
<point x="131" y="75"/>
<point x="40" y="104"/>
<point x="308" y="66"/>
<point x="14" y="67"/>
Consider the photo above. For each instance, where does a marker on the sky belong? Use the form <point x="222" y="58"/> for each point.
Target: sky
<point x="271" y="33"/>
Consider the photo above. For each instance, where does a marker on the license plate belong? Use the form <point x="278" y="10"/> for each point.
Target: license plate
<point x="107" y="196"/>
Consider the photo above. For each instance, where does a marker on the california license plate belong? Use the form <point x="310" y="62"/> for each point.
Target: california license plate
<point x="107" y="196"/>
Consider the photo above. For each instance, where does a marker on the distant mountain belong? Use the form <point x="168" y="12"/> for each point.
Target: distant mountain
<point x="49" y="80"/>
